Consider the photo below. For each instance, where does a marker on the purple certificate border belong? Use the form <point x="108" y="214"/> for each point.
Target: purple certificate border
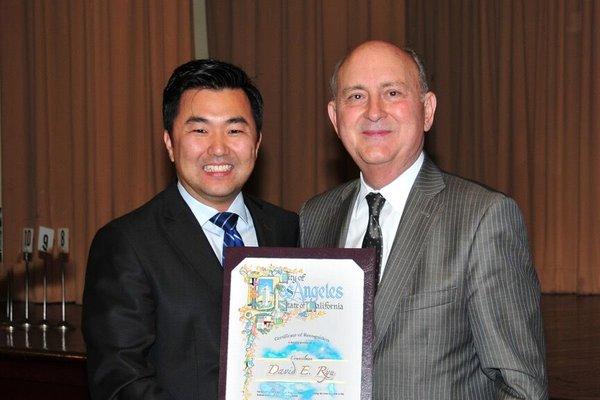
<point x="365" y="258"/>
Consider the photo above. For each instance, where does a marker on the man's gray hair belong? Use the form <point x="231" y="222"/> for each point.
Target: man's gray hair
<point x="416" y="58"/>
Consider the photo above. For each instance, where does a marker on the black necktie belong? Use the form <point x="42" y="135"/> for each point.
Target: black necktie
<point x="373" y="237"/>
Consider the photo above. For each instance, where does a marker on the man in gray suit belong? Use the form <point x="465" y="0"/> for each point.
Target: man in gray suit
<point x="457" y="308"/>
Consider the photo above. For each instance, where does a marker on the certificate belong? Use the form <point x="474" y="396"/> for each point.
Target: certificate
<point x="297" y="324"/>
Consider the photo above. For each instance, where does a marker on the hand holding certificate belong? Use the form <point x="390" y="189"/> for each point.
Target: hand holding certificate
<point x="297" y="324"/>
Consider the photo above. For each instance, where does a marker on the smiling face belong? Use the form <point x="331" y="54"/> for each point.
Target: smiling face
<point x="379" y="111"/>
<point x="214" y="144"/>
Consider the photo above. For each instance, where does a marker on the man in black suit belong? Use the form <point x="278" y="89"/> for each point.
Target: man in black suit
<point x="152" y="299"/>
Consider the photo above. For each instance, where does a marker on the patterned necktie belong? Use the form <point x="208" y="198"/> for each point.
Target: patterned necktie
<point x="232" y="237"/>
<point x="373" y="237"/>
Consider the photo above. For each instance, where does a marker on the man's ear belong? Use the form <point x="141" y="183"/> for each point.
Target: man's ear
<point x="331" y="110"/>
<point x="168" y="145"/>
<point x="429" y="103"/>
<point x="258" y="141"/>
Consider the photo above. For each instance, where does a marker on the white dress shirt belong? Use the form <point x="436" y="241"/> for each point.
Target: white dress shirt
<point x="214" y="234"/>
<point x="395" y="194"/>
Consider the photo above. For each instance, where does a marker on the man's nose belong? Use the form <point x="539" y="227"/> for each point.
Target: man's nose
<point x="376" y="109"/>
<point x="218" y="145"/>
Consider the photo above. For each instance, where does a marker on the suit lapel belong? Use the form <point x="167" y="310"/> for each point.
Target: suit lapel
<point x="344" y="215"/>
<point x="419" y="215"/>
<point x="336" y="217"/>
<point x="186" y="235"/>
<point x="262" y="223"/>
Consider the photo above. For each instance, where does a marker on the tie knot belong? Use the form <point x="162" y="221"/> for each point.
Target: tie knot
<point x="225" y="220"/>
<point x="375" y="202"/>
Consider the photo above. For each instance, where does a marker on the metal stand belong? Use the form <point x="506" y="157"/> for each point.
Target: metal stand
<point x="9" y="324"/>
<point x="26" y="323"/>
<point x="10" y="341"/>
<point x="63" y="340"/>
<point x="8" y="299"/>
<point x="44" y="339"/>
<point x="44" y="324"/>
<point x="63" y="324"/>
<point x="27" y="342"/>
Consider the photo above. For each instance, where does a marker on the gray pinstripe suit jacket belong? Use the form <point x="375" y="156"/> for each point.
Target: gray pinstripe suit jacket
<point x="457" y="312"/>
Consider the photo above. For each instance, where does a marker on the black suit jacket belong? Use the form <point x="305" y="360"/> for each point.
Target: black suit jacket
<point x="152" y="300"/>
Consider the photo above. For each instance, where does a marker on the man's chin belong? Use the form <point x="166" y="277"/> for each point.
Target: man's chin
<point x="226" y="195"/>
<point x="374" y="159"/>
<point x="215" y="195"/>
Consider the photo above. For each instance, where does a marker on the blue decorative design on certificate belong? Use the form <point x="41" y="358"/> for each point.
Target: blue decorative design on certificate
<point x="319" y="349"/>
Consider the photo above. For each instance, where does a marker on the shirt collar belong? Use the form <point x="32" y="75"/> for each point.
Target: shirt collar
<point x="204" y="213"/>
<point x="395" y="192"/>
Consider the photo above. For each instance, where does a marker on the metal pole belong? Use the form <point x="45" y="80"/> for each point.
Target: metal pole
<point x="10" y="291"/>
<point x="63" y="324"/>
<point x="44" y="322"/>
<point x="26" y="324"/>
<point x="45" y="304"/>
<point x="8" y="296"/>
<point x="62" y="284"/>
<point x="9" y="324"/>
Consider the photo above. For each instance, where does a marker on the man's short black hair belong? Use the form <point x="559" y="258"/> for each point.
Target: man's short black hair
<point x="208" y="74"/>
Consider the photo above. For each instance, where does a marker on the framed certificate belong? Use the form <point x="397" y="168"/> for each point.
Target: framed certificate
<point x="297" y="324"/>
